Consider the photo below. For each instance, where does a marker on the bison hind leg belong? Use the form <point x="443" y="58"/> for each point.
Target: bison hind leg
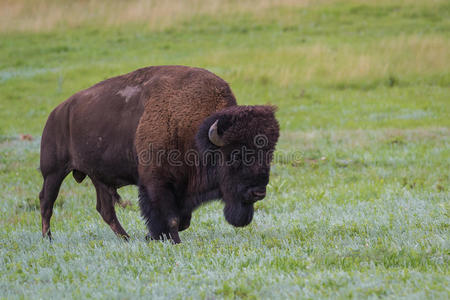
<point x="79" y="176"/>
<point x="105" y="206"/>
<point x="116" y="197"/>
<point x="47" y="197"/>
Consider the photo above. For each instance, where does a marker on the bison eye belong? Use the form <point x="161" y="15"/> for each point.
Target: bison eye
<point x="235" y="160"/>
<point x="235" y="163"/>
<point x="235" y="155"/>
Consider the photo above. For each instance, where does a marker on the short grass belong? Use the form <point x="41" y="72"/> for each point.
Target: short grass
<point x="358" y="203"/>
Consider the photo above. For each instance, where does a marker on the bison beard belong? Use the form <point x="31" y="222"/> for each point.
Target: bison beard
<point x="102" y="131"/>
<point x="238" y="214"/>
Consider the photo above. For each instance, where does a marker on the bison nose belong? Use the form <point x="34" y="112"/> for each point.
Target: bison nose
<point x="258" y="194"/>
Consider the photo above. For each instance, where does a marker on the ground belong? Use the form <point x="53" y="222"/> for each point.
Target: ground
<point x="358" y="201"/>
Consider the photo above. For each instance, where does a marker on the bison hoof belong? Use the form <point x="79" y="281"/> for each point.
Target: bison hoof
<point x="47" y="235"/>
<point x="149" y="237"/>
<point x="174" y="238"/>
<point x="124" y="237"/>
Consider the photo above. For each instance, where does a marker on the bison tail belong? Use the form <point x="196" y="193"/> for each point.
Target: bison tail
<point x="118" y="200"/>
<point x="79" y="176"/>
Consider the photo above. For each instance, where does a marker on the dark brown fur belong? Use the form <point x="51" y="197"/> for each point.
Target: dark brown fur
<point x="112" y="130"/>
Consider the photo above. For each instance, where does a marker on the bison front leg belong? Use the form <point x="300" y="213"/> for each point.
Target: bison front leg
<point x="185" y="221"/>
<point x="159" y="210"/>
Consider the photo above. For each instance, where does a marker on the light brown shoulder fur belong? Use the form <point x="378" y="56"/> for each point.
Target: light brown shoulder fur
<point x="179" y="99"/>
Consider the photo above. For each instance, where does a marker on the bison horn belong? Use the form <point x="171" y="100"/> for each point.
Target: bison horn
<point x="214" y="136"/>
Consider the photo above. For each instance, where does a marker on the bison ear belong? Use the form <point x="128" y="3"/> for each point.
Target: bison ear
<point x="274" y="108"/>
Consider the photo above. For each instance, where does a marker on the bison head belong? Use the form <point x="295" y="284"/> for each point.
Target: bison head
<point x="237" y="144"/>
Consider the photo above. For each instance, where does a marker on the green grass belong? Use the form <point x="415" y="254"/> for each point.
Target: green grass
<point x="358" y="202"/>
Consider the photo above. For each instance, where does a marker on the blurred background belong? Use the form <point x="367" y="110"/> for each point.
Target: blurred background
<point x="325" y="63"/>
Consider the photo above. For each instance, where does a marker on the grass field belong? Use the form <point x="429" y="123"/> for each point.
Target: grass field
<point x="363" y="90"/>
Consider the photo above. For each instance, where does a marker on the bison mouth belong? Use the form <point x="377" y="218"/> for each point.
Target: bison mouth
<point x="238" y="214"/>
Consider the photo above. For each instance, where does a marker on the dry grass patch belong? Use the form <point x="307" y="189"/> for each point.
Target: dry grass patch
<point x="404" y="55"/>
<point x="36" y="16"/>
<point x="27" y="15"/>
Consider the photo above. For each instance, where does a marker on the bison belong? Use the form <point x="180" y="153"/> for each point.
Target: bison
<point x="174" y="131"/>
